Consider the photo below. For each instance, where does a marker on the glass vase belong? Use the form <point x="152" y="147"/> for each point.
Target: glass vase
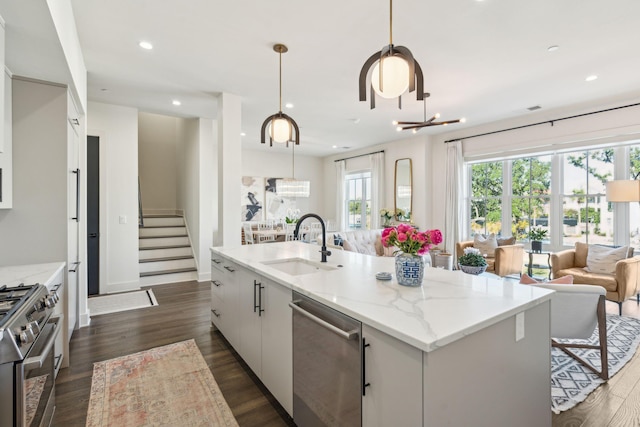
<point x="409" y="269"/>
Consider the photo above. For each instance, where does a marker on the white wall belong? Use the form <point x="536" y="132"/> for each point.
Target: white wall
<point x="158" y="146"/>
<point x="604" y="128"/>
<point x="278" y="165"/>
<point x="117" y="128"/>
<point x="34" y="231"/>
<point x="415" y="149"/>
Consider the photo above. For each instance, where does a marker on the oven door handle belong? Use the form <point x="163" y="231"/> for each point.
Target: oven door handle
<point x="37" y="361"/>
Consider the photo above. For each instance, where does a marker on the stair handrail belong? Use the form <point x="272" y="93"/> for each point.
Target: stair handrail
<point x="140" y="218"/>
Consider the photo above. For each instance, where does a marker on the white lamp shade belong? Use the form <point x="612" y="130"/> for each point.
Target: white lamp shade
<point x="623" y="191"/>
<point x="280" y="130"/>
<point x="395" y="77"/>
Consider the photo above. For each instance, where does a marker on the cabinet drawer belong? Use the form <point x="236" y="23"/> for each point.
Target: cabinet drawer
<point x="217" y="313"/>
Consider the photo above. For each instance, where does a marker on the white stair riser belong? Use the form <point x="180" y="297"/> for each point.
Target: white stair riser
<point x="163" y="241"/>
<point x="168" y="231"/>
<point x="172" y="221"/>
<point x="166" y="265"/>
<point x="168" y="278"/>
<point x="163" y="253"/>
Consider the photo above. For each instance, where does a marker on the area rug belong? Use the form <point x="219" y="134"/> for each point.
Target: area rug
<point x="115" y="303"/>
<point x="572" y="382"/>
<point x="165" y="386"/>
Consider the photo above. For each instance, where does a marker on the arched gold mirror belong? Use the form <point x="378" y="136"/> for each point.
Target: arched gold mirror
<point x="403" y="189"/>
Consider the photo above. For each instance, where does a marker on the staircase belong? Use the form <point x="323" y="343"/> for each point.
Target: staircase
<point x="165" y="251"/>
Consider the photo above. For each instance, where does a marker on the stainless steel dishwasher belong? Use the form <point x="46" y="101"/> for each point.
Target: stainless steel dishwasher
<point x="327" y="365"/>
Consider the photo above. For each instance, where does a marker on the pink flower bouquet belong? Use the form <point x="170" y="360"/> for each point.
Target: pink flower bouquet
<point x="409" y="240"/>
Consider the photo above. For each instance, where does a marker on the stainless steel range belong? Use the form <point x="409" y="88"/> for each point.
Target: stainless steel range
<point x="27" y="335"/>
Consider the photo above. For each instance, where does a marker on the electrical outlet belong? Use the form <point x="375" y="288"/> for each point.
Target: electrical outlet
<point x="519" y="326"/>
<point x="122" y="219"/>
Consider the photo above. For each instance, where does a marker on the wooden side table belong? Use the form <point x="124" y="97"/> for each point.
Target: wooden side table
<point x="530" y="266"/>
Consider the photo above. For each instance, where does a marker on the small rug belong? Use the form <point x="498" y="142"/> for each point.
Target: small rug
<point x="122" y="302"/>
<point x="572" y="382"/>
<point x="165" y="386"/>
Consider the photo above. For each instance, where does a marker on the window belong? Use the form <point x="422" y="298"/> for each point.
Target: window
<point x="511" y="196"/>
<point x="358" y="200"/>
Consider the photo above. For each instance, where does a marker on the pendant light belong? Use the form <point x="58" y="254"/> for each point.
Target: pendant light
<point x="291" y="187"/>
<point x="280" y="127"/>
<point x="394" y="71"/>
<point x="416" y="126"/>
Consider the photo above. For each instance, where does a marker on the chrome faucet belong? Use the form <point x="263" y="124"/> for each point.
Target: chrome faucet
<point x="325" y="253"/>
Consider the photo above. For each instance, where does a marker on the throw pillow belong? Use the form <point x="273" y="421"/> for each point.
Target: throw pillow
<point x="347" y="246"/>
<point x="487" y="246"/>
<point x="564" y="280"/>
<point x="506" y="241"/>
<point x="602" y="259"/>
<point x="378" y="246"/>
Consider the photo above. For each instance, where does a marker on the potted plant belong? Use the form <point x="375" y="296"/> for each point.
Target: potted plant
<point x="536" y="235"/>
<point x="411" y="244"/>
<point x="386" y="216"/>
<point x="472" y="262"/>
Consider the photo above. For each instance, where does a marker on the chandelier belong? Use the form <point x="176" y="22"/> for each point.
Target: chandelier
<point x="416" y="126"/>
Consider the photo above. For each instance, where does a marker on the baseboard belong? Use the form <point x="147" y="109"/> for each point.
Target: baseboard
<point x="84" y="320"/>
<point x="204" y="276"/>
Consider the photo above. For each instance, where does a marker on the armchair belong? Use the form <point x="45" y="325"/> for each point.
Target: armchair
<point x="575" y="311"/>
<point x="506" y="259"/>
<point x="624" y="283"/>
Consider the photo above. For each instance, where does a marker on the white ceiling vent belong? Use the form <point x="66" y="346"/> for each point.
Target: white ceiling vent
<point x="534" y="108"/>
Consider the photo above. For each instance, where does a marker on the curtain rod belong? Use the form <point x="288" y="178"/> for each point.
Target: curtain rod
<point x="542" y="123"/>
<point x="360" y="155"/>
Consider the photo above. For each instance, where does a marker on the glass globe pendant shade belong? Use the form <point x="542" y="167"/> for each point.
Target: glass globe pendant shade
<point x="395" y="77"/>
<point x="280" y="130"/>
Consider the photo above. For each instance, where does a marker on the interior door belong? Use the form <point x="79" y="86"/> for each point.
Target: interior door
<point x="93" y="215"/>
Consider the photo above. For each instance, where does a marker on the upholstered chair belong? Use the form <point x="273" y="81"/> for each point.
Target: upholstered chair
<point x="504" y="260"/>
<point x="621" y="282"/>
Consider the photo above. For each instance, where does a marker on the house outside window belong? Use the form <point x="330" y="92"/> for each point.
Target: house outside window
<point x="358" y="200"/>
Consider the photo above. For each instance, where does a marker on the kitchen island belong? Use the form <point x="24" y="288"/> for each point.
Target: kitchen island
<point x="459" y="350"/>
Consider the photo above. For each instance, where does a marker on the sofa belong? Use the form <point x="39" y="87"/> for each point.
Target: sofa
<point x="367" y="242"/>
<point x="503" y="259"/>
<point x="622" y="283"/>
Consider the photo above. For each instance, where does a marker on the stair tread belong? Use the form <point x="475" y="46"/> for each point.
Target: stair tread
<point x="162" y="216"/>
<point x="177" y="270"/>
<point x="164" y="226"/>
<point x="163" y="237"/>
<point x="168" y="258"/>
<point x="164" y="247"/>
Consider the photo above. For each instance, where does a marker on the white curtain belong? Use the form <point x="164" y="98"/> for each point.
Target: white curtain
<point x="341" y="167"/>
<point x="455" y="206"/>
<point x="377" y="188"/>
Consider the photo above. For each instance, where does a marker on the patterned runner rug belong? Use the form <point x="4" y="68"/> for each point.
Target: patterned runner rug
<point x="165" y="386"/>
<point x="571" y="382"/>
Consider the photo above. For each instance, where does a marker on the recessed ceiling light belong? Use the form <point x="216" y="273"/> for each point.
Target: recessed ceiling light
<point x="145" y="45"/>
<point x="288" y="105"/>
<point x="334" y="146"/>
<point x="243" y="134"/>
<point x="591" y="78"/>
<point x="176" y="102"/>
<point x="553" y="48"/>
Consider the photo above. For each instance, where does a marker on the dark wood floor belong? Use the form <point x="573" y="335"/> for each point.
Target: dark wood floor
<point x="183" y="314"/>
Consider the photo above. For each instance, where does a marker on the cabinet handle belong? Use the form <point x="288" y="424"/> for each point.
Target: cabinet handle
<point x="77" y="217"/>
<point x="216" y="261"/>
<point x="260" y="309"/>
<point x="226" y="267"/>
<point x="365" y="384"/>
<point x="77" y="263"/>
<point x="255" y="285"/>
<point x="215" y="282"/>
<point x="215" y="313"/>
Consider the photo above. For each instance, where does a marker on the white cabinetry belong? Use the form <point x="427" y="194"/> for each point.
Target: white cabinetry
<point x="393" y="370"/>
<point x="224" y="296"/>
<point x="6" y="156"/>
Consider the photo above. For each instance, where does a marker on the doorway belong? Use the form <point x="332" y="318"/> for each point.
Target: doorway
<point x="93" y="215"/>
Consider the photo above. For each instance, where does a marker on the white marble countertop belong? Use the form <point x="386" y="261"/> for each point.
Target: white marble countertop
<point x="30" y="273"/>
<point x="448" y="306"/>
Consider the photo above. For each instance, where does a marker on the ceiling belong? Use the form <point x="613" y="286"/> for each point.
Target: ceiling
<point x="482" y="60"/>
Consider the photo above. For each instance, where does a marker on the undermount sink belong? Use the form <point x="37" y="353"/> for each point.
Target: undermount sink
<point x="298" y="266"/>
